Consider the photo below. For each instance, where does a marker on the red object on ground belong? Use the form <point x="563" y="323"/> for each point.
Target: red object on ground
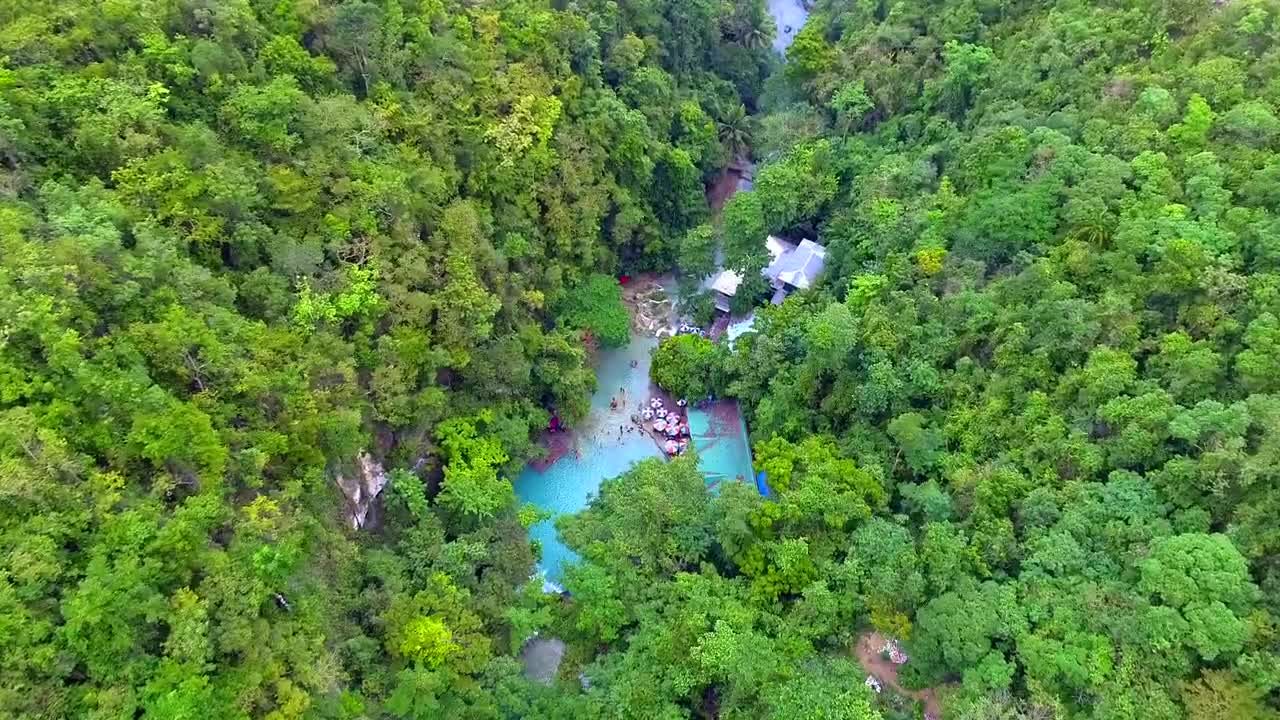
<point x="558" y="445"/>
<point x="624" y="279"/>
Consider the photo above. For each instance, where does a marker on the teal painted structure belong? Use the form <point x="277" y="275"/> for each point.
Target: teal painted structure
<point x="720" y="437"/>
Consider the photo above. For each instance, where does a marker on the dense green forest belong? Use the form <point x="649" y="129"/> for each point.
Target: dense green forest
<point x="249" y="246"/>
<point x="1029" y="423"/>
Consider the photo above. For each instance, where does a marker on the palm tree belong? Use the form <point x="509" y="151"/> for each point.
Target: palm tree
<point x="754" y="34"/>
<point x="1092" y="232"/>
<point x="734" y="129"/>
<point x="749" y="26"/>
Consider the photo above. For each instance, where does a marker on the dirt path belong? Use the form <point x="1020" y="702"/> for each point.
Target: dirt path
<point x="722" y="189"/>
<point x="868" y="651"/>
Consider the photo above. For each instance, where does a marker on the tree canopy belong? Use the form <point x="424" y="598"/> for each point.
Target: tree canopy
<point x="262" y="261"/>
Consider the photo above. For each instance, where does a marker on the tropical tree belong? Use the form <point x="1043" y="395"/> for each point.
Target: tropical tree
<point x="733" y="126"/>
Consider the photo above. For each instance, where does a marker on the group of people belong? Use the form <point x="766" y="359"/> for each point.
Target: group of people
<point x="620" y="401"/>
<point x="676" y="442"/>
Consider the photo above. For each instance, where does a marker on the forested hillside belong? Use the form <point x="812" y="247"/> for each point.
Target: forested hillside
<point x="251" y="246"/>
<point x="1031" y="422"/>
<point x="1028" y="423"/>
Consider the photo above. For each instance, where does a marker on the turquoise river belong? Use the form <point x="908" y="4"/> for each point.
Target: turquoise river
<point x="595" y="451"/>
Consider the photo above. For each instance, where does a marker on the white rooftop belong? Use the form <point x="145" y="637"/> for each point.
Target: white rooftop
<point x="790" y="266"/>
<point x="726" y="282"/>
<point x="800" y="267"/>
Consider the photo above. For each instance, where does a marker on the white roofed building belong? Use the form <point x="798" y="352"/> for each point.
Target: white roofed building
<point x="798" y="268"/>
<point x="790" y="268"/>
<point x="724" y="285"/>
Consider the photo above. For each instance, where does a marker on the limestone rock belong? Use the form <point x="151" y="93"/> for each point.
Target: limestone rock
<point x="361" y="488"/>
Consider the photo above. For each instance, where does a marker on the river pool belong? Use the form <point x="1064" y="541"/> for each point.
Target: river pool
<point x="594" y="451"/>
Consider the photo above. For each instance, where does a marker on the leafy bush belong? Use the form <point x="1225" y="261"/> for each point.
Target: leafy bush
<point x="687" y="366"/>
<point x="596" y="306"/>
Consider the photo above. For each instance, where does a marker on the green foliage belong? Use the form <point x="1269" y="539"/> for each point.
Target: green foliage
<point x="851" y="104"/>
<point x="733" y="127"/>
<point x="1262" y="351"/>
<point x="1027" y="423"/>
<point x="408" y="489"/>
<point x="472" y="485"/>
<point x="1216" y="694"/>
<point x="965" y="69"/>
<point x="955" y="632"/>
<point x="795" y="189"/>
<point x="1193" y="131"/>
<point x="1252" y="122"/>
<point x="815" y="474"/>
<point x="654" y="515"/>
<point x="680" y="205"/>
<point x="700" y="307"/>
<point x="687" y="366"/>
<point x="258" y="260"/>
<point x="810" y="54"/>
<point x="427" y="641"/>
<point x="697" y="255"/>
<point x="920" y="445"/>
<point x="830" y="692"/>
<point x="596" y="307"/>
<point x="1207" y="580"/>
<point x="603" y="613"/>
<point x="1044" y="332"/>
<point x="742" y="235"/>
<point x="678" y="620"/>
<point x="357" y="300"/>
<point x="697" y="134"/>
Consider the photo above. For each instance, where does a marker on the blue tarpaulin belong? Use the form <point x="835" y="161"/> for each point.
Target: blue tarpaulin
<point x="762" y="484"/>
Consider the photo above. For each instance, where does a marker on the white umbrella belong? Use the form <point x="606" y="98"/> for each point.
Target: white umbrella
<point x="682" y="402"/>
<point x="647" y="414"/>
<point x="655" y="403"/>
<point x="661" y="413"/>
<point x="659" y="425"/>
